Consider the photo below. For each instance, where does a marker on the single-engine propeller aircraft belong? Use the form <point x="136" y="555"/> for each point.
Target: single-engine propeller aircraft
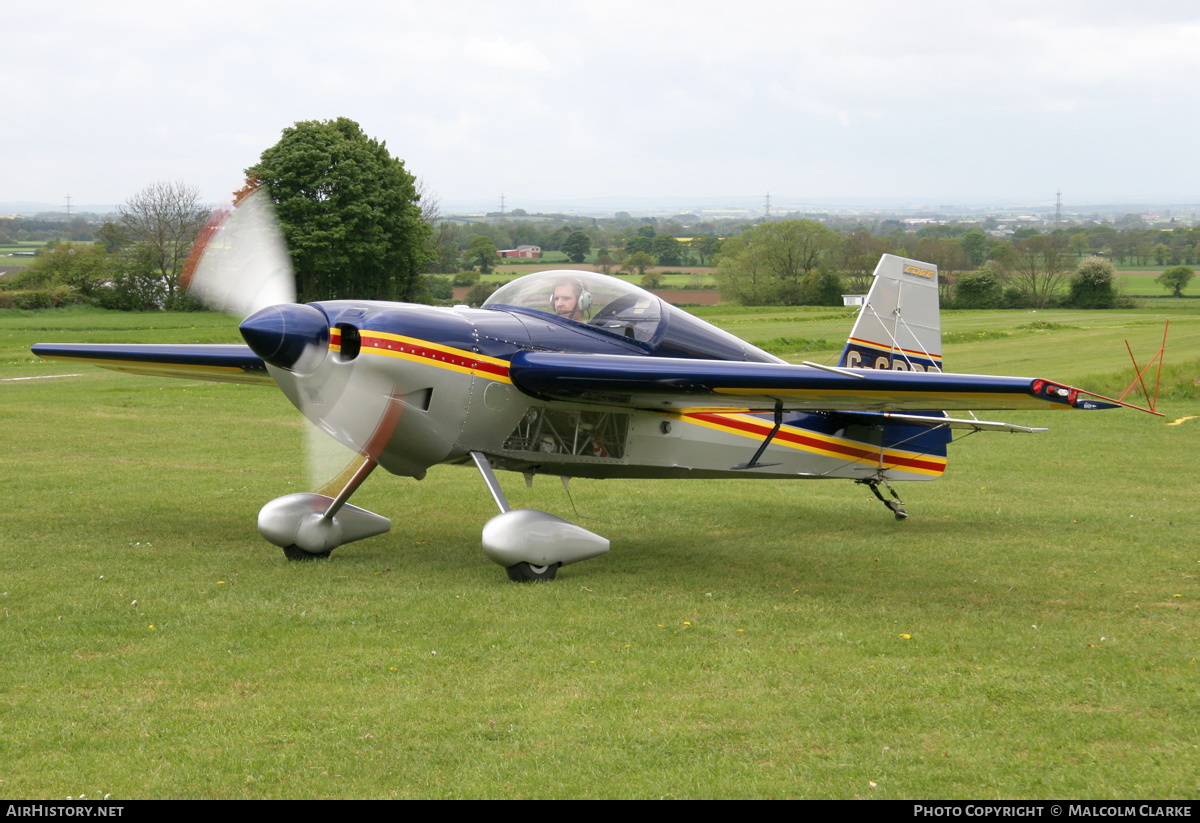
<point x="573" y="374"/>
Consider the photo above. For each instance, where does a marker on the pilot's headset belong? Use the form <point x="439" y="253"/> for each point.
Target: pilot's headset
<point x="583" y="299"/>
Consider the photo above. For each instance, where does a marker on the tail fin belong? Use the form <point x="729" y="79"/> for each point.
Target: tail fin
<point x="899" y="327"/>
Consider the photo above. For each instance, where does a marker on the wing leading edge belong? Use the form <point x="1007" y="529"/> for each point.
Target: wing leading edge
<point x="667" y="383"/>
<point x="219" y="362"/>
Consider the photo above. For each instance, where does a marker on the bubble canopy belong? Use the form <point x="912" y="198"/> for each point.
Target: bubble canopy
<point x="596" y="300"/>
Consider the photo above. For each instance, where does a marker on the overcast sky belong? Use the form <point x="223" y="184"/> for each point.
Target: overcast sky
<point x="941" y="102"/>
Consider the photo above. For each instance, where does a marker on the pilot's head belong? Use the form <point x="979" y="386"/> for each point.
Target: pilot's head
<point x="565" y="299"/>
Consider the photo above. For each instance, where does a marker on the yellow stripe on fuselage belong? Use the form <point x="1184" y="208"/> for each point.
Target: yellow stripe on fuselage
<point x="434" y="354"/>
<point x="879" y="398"/>
<point x="824" y="444"/>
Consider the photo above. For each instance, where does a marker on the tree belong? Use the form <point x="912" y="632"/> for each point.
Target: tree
<point x="639" y="244"/>
<point x="705" y="245"/>
<point x="479" y="292"/>
<point x="640" y="261"/>
<point x="435" y="289"/>
<point x="349" y="211"/>
<point x="766" y="264"/>
<point x="1039" y="266"/>
<point x="443" y="235"/>
<point x="666" y="250"/>
<point x="1092" y="284"/>
<point x="604" y="260"/>
<point x="974" y="245"/>
<point x="481" y="251"/>
<point x="166" y="216"/>
<point x="1079" y="242"/>
<point x="576" y="246"/>
<point x="134" y="284"/>
<point x="1175" y="278"/>
<point x="821" y="287"/>
<point x="860" y="254"/>
<point x="114" y="236"/>
<point x="81" y="267"/>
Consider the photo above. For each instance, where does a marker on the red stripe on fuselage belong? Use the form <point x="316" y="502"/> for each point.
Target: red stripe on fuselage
<point x="450" y="356"/>
<point x="793" y="435"/>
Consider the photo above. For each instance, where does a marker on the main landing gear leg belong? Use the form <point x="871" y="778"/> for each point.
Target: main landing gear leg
<point x="896" y="504"/>
<point x="528" y="543"/>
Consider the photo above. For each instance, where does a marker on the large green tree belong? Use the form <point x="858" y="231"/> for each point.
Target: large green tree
<point x="705" y="245"/>
<point x="349" y="210"/>
<point x="768" y="263"/>
<point x="481" y="251"/>
<point x="576" y="246"/>
<point x="974" y="244"/>
<point x="1175" y="278"/>
<point x="666" y="250"/>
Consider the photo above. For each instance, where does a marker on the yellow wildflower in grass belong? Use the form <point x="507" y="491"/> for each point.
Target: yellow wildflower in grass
<point x="906" y="637"/>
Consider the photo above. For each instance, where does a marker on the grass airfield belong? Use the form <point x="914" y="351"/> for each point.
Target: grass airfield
<point x="1031" y="631"/>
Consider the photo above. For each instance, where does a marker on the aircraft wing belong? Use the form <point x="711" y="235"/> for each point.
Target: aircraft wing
<point x="693" y="385"/>
<point x="222" y="363"/>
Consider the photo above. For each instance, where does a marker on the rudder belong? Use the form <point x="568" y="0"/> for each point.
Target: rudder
<point x="899" y="327"/>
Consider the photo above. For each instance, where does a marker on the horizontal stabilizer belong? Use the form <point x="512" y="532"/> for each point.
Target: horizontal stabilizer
<point x="927" y="421"/>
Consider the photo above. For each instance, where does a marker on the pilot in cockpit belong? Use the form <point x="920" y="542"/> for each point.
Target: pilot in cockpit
<point x="570" y="299"/>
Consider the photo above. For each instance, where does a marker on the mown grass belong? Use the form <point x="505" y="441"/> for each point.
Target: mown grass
<point x="1031" y="631"/>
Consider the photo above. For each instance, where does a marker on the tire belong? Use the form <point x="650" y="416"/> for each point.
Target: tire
<point x="294" y="552"/>
<point x="525" y="573"/>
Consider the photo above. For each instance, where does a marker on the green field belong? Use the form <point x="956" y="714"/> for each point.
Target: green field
<point x="1130" y="283"/>
<point x="1031" y="631"/>
<point x="7" y="249"/>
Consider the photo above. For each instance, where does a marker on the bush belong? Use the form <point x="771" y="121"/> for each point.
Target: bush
<point x="978" y="290"/>
<point x="466" y="278"/>
<point x="32" y="300"/>
<point x="183" y="301"/>
<point x="821" y="287"/>
<point x="478" y="293"/>
<point x="1092" y="284"/>
<point x="652" y="280"/>
<point x="433" y="289"/>
<point x="135" y="283"/>
<point x="1014" y="298"/>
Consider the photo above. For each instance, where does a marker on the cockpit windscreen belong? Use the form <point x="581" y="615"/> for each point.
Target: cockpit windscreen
<point x="606" y="303"/>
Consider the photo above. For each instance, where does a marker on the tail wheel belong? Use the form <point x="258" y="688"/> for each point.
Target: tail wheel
<point x="527" y="573"/>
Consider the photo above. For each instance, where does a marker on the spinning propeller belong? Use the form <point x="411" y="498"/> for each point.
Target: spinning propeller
<point x="240" y="265"/>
